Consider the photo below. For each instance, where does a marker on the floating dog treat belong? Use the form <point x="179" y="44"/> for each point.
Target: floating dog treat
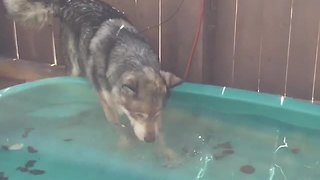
<point x="6" y="148"/>
<point x="228" y="152"/>
<point x="192" y="152"/>
<point x="68" y="140"/>
<point x="37" y="172"/>
<point x="219" y="156"/>
<point x="226" y="145"/>
<point x="247" y="169"/>
<point x="22" y="169"/>
<point x="295" y="150"/>
<point x="15" y="147"/>
<point x="223" y="154"/>
<point x="30" y="163"/>
<point x="32" y="149"/>
<point x="26" y="132"/>
<point x="185" y="150"/>
<point x="2" y="177"/>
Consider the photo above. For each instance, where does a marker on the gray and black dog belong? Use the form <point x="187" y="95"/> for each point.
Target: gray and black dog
<point x="102" y="45"/>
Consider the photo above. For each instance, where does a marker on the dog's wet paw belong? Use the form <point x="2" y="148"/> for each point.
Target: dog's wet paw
<point x="170" y="158"/>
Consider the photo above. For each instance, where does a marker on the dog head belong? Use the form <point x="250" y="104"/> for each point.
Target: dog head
<point x="141" y="95"/>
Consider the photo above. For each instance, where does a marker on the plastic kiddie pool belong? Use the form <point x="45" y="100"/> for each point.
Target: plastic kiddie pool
<point x="55" y="129"/>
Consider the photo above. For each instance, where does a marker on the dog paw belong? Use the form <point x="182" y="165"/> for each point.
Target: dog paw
<point x="170" y="158"/>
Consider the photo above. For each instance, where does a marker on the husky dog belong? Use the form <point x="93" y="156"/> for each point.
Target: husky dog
<point x="102" y="45"/>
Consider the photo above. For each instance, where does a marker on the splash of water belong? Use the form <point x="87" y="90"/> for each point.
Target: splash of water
<point x="203" y="169"/>
<point x="284" y="145"/>
<point x="272" y="170"/>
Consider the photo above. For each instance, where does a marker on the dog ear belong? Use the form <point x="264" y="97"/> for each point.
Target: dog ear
<point x="171" y="79"/>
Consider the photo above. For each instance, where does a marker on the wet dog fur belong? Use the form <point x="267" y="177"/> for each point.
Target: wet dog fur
<point x="102" y="45"/>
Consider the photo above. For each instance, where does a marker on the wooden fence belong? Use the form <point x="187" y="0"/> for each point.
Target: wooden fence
<point x="261" y="45"/>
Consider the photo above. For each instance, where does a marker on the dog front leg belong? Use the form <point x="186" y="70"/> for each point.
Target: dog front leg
<point x="114" y="117"/>
<point x="169" y="156"/>
<point x="108" y="111"/>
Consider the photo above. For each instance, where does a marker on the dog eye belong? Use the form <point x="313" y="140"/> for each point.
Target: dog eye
<point x="129" y="89"/>
<point x="139" y="115"/>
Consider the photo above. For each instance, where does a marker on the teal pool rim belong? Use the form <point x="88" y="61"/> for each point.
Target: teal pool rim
<point x="257" y="98"/>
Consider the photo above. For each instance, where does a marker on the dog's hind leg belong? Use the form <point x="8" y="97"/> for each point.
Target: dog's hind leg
<point x="68" y="44"/>
<point x="74" y="58"/>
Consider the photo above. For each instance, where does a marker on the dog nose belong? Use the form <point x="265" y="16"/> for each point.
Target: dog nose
<point x="150" y="138"/>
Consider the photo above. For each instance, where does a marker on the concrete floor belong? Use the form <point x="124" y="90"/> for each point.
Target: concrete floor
<point x="5" y="82"/>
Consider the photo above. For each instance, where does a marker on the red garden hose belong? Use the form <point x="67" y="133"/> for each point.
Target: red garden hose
<point x="195" y="41"/>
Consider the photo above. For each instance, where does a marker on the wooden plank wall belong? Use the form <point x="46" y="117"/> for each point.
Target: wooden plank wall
<point x="261" y="45"/>
<point x="275" y="36"/>
<point x="304" y="40"/>
<point x="178" y="35"/>
<point x="219" y="42"/>
<point x="266" y="45"/>
<point x="7" y="46"/>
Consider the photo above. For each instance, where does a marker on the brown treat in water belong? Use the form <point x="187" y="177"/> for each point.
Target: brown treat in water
<point x="32" y="150"/>
<point x="6" y="148"/>
<point x="2" y="177"/>
<point x="185" y="150"/>
<point x="223" y="154"/>
<point x="247" y="169"/>
<point x="226" y="145"/>
<point x="37" y="172"/>
<point x="26" y="132"/>
<point x="30" y="163"/>
<point x="219" y="156"/>
<point x="295" y="150"/>
<point x="68" y="140"/>
<point x="22" y="169"/>
<point x="228" y="151"/>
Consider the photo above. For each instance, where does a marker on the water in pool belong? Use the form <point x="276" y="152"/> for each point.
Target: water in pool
<point x="68" y="138"/>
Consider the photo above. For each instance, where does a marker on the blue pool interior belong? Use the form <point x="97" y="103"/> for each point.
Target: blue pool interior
<point x="218" y="133"/>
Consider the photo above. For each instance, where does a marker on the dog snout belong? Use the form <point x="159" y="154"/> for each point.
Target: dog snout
<point x="150" y="137"/>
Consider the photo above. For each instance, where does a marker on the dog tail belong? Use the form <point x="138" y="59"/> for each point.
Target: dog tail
<point x="30" y="12"/>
